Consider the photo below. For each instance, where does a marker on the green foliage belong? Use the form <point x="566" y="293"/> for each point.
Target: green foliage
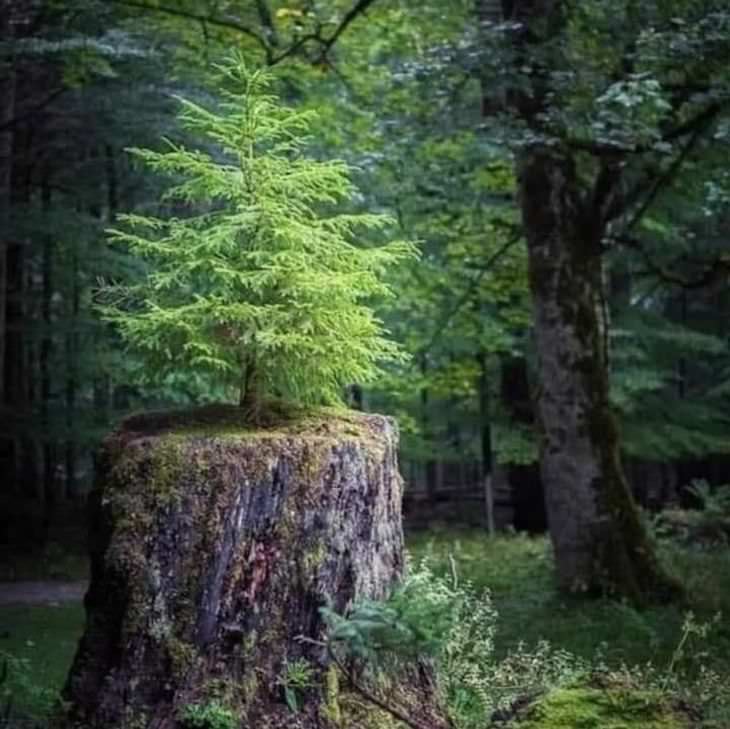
<point x="660" y="422"/>
<point x="20" y="691"/>
<point x="704" y="527"/>
<point x="517" y="570"/>
<point x="662" y="653"/>
<point x="296" y="677"/>
<point x="211" y="715"/>
<point x="609" y="708"/>
<point x="261" y="286"/>
<point x="715" y="501"/>
<point x="454" y="626"/>
<point x="413" y="621"/>
<point x="39" y="642"/>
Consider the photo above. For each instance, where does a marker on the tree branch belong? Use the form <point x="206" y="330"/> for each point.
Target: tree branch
<point x="666" y="179"/>
<point x="325" y="43"/>
<point x="701" y="120"/>
<point x="33" y="109"/>
<point x="602" y="149"/>
<point x="488" y="265"/>
<point x="359" y="8"/>
<point x="228" y="23"/>
<point x="394" y="711"/>
<point x="714" y="270"/>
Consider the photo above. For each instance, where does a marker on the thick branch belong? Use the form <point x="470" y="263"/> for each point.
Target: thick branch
<point x="701" y="121"/>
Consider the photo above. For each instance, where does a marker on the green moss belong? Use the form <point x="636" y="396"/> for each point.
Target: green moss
<point x="313" y="558"/>
<point x="226" y="421"/>
<point x="182" y="656"/>
<point x="593" y="708"/>
<point x="332" y="710"/>
<point x="358" y="712"/>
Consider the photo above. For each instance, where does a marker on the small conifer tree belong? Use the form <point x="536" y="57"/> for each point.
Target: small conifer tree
<point x="257" y="287"/>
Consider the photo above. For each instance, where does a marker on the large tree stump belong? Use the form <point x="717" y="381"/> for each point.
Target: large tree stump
<point x="213" y="548"/>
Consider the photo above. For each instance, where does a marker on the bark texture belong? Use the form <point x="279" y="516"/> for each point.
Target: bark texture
<point x="213" y="548"/>
<point x="599" y="541"/>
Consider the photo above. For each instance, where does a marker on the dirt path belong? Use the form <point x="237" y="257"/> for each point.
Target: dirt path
<point x="40" y="593"/>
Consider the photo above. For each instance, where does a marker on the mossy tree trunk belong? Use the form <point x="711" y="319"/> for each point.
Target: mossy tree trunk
<point x="599" y="541"/>
<point x="212" y="553"/>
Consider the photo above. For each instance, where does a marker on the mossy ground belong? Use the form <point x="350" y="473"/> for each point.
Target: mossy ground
<point x="593" y="708"/>
<point x="46" y="637"/>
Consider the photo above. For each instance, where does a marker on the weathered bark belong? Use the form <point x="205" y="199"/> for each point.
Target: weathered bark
<point x="599" y="541"/>
<point x="214" y="547"/>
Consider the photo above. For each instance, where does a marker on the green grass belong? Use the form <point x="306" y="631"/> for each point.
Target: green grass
<point x="46" y="637"/>
<point x="518" y="571"/>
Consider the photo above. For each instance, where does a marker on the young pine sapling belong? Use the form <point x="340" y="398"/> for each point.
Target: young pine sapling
<point x="262" y="286"/>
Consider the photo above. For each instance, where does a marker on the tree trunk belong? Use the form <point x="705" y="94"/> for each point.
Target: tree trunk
<point x="599" y="541"/>
<point x="525" y="484"/>
<point x="485" y="438"/>
<point x="214" y="547"/>
<point x="72" y="381"/>
<point x="7" y="112"/>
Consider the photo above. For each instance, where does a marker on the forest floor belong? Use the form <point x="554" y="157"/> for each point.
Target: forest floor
<point x="517" y="571"/>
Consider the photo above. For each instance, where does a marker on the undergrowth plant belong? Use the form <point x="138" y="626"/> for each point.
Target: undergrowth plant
<point x="22" y="700"/>
<point x="452" y="625"/>
<point x="210" y="715"/>
<point x="296" y="678"/>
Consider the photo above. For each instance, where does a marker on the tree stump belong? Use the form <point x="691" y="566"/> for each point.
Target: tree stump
<point x="213" y="547"/>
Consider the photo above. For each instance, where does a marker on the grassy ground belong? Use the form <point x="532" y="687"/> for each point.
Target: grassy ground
<point x="518" y="572"/>
<point x="44" y="640"/>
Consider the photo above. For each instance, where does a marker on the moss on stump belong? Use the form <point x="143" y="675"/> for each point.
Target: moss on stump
<point x="213" y="548"/>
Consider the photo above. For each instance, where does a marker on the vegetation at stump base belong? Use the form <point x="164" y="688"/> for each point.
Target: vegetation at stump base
<point x="263" y="286"/>
<point x="601" y="708"/>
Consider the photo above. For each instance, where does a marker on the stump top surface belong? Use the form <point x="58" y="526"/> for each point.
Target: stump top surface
<point x="232" y="421"/>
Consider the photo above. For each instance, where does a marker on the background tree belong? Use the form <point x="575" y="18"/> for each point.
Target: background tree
<point x="596" y="122"/>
